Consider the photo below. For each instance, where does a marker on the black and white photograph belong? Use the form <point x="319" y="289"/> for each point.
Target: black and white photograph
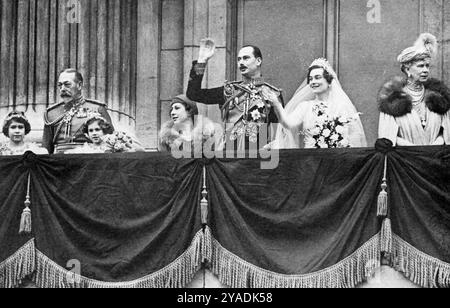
<point x="233" y="145"/>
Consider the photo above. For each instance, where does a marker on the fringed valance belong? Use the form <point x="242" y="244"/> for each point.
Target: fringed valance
<point x="322" y="218"/>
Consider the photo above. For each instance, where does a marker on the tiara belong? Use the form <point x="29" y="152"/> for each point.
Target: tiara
<point x="322" y="62"/>
<point x="16" y="115"/>
<point x="94" y="115"/>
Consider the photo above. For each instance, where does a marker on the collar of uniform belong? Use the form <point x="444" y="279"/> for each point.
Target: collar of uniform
<point x="74" y="104"/>
<point x="255" y="81"/>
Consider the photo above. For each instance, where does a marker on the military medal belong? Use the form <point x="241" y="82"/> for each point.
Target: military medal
<point x="82" y="113"/>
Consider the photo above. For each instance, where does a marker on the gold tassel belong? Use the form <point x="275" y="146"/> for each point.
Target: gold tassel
<point x="386" y="236"/>
<point x="383" y="196"/>
<point x="204" y="201"/>
<point x="25" y="220"/>
<point x="382" y="202"/>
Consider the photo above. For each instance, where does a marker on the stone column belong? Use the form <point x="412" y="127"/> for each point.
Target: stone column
<point x="208" y="18"/>
<point x="148" y="77"/>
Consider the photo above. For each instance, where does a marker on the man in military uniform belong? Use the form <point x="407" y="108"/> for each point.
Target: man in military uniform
<point x="244" y="104"/>
<point x="64" y="121"/>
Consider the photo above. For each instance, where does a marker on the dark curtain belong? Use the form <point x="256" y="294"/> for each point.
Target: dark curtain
<point x="121" y="216"/>
<point x="13" y="185"/>
<point x="419" y="192"/>
<point x="317" y="208"/>
<point x="124" y="217"/>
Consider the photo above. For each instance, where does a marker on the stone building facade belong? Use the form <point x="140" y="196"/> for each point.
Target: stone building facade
<point x="136" y="54"/>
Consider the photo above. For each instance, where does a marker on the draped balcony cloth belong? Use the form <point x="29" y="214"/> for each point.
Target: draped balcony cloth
<point x="419" y="192"/>
<point x="124" y="220"/>
<point x="134" y="220"/>
<point x="312" y="222"/>
<point x="17" y="252"/>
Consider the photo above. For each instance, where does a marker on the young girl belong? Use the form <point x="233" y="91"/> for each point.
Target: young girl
<point x="103" y="138"/>
<point x="15" y="128"/>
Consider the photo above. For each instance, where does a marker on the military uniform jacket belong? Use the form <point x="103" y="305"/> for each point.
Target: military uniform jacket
<point x="243" y="108"/>
<point x="64" y="122"/>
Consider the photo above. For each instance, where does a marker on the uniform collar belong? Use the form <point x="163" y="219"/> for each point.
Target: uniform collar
<point x="255" y="81"/>
<point x="75" y="103"/>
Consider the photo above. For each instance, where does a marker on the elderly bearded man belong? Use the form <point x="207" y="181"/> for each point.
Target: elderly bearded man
<point x="64" y="121"/>
<point x="244" y="105"/>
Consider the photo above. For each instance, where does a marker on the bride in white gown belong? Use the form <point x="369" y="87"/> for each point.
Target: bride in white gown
<point x="319" y="100"/>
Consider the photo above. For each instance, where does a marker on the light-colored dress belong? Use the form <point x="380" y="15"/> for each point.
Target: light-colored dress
<point x="6" y="150"/>
<point x="90" y="148"/>
<point x="308" y="116"/>
<point x="446" y="126"/>
<point x="409" y="128"/>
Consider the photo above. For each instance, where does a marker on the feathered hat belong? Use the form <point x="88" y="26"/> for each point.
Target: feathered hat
<point x="425" y="47"/>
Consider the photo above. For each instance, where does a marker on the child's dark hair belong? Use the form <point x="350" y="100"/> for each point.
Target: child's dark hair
<point x="18" y="117"/>
<point x="104" y="125"/>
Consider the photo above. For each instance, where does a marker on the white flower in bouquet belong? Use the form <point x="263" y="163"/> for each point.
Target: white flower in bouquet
<point x="256" y="115"/>
<point x="323" y="145"/>
<point x="321" y="139"/>
<point x="344" y="120"/>
<point x="326" y="133"/>
<point x="260" y="104"/>
<point x="334" y="137"/>
<point x="118" y="142"/>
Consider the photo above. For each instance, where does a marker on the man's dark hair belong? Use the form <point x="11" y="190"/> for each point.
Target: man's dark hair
<point x="78" y="75"/>
<point x="328" y="77"/>
<point x="256" y="51"/>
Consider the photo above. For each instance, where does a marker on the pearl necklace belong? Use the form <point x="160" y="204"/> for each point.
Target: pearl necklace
<point x="417" y="93"/>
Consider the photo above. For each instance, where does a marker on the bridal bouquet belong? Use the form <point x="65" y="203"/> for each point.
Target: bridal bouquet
<point x="330" y="132"/>
<point x="118" y="142"/>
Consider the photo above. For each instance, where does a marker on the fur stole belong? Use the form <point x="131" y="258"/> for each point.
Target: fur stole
<point x="393" y="100"/>
<point x="171" y="138"/>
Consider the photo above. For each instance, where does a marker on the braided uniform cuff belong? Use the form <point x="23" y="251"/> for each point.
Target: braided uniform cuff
<point x="200" y="68"/>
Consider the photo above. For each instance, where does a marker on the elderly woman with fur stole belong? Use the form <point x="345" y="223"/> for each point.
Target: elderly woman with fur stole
<point x="187" y="131"/>
<point x="415" y="110"/>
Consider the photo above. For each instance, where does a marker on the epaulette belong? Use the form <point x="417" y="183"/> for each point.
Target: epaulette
<point x="50" y="108"/>
<point x="273" y="87"/>
<point x="47" y="121"/>
<point x="232" y="82"/>
<point x="229" y="87"/>
<point x="93" y="101"/>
